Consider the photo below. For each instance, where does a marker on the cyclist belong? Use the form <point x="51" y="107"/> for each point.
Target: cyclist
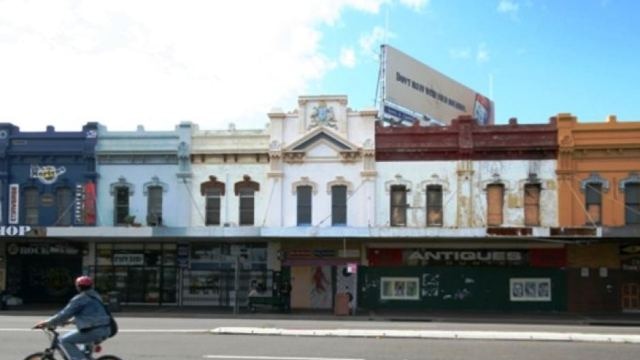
<point x="89" y="316"/>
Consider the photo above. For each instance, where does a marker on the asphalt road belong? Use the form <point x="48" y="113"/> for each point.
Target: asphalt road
<point x="186" y="338"/>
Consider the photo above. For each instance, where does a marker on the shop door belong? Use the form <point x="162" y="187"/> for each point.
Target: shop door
<point x="48" y="279"/>
<point x="631" y="296"/>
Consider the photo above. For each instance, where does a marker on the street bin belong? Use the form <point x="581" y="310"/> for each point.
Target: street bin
<point x="114" y="301"/>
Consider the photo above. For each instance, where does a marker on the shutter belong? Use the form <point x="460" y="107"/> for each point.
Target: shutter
<point x="532" y="205"/>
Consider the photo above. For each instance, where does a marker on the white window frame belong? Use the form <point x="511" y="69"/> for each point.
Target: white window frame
<point x="397" y="280"/>
<point x="529" y="283"/>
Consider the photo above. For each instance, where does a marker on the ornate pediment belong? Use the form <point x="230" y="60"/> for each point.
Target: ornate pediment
<point x="321" y="143"/>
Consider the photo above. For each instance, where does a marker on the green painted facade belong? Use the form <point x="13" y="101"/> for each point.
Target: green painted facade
<point x="462" y="288"/>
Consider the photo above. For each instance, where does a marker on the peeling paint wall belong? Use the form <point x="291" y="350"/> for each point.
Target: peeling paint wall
<point x="464" y="190"/>
<point x="416" y="175"/>
<point x="514" y="174"/>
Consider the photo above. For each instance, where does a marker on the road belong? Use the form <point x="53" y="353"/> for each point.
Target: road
<point x="188" y="338"/>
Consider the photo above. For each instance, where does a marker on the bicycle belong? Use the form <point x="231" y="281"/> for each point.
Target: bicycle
<point x="50" y="352"/>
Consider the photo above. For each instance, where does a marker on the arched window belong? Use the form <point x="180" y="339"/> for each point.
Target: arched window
<point x="434" y="205"/>
<point x="398" y="206"/>
<point x="246" y="190"/>
<point x="121" y="192"/>
<point x="339" y="205"/>
<point x="303" y="195"/>
<point x="213" y="191"/>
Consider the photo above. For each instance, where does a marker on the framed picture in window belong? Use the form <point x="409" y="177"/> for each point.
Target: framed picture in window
<point x="530" y="289"/>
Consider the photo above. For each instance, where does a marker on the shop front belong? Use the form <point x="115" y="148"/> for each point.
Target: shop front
<point x="630" y="277"/>
<point x="208" y="273"/>
<point x="43" y="272"/>
<point x="141" y="272"/>
<point x="594" y="277"/>
<point x="320" y="275"/>
<point x="464" y="279"/>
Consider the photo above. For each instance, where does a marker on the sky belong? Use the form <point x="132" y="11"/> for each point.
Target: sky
<point x="156" y="63"/>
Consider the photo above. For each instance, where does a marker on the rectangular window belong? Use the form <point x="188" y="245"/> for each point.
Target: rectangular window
<point x="31" y="201"/>
<point x="304" y="205"/>
<point x="434" y="205"/>
<point x="530" y="289"/>
<point x="246" y="206"/>
<point x="399" y="288"/>
<point x="212" y="207"/>
<point x="532" y="205"/>
<point x="338" y="205"/>
<point x="121" y="205"/>
<point x="398" y="205"/>
<point x="632" y="203"/>
<point x="593" y="202"/>
<point x="154" y="206"/>
<point x="495" y="199"/>
<point x="64" y="206"/>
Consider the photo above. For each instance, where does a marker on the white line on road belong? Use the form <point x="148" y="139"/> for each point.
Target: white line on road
<point x="271" y="357"/>
<point x="436" y="334"/>
<point x="183" y="331"/>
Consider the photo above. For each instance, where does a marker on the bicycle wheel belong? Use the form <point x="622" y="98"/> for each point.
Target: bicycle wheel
<point x="108" y="357"/>
<point x="40" y="356"/>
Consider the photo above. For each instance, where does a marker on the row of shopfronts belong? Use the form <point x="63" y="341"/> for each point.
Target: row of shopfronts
<point x="457" y="274"/>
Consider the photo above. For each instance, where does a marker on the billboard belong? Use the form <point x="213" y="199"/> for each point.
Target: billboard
<point x="414" y="86"/>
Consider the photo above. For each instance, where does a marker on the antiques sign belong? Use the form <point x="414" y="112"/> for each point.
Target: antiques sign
<point x="465" y="257"/>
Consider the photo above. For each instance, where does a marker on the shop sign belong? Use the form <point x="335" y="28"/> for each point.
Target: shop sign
<point x="42" y="249"/>
<point x="630" y="257"/>
<point x="465" y="257"/>
<point x="47" y="174"/>
<point x="14" y="203"/>
<point x="311" y="253"/>
<point x="128" y="259"/>
<point x="13" y="230"/>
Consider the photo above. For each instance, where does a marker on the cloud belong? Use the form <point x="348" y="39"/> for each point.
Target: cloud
<point x="460" y="54"/>
<point x="157" y="63"/>
<point x="482" y="53"/>
<point x="370" y="42"/>
<point x="508" y="7"/>
<point x="348" y="57"/>
<point x="415" y="4"/>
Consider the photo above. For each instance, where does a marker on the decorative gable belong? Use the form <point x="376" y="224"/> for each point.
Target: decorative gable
<point x="321" y="142"/>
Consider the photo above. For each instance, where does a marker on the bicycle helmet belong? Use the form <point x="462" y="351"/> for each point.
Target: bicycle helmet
<point x="84" y="281"/>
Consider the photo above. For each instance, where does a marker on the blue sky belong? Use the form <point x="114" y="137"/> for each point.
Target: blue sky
<point x="156" y="63"/>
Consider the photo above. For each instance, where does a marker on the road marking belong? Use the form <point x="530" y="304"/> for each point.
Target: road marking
<point x="436" y="334"/>
<point x="257" y="357"/>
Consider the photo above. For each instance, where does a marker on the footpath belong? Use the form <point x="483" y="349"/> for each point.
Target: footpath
<point x="544" y="326"/>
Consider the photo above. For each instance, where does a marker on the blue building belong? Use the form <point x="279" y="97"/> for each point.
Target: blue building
<point x="47" y="179"/>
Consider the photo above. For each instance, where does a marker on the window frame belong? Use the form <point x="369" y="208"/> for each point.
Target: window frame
<point x="63" y="211"/>
<point x="339" y="208"/>
<point x="246" y="195"/>
<point x="490" y="188"/>
<point x="120" y="218"/>
<point x="212" y="212"/>
<point x="31" y="206"/>
<point x="437" y="206"/>
<point x="154" y="210"/>
<point x="402" y="206"/>
<point x="593" y="196"/>
<point x="304" y="208"/>
<point x="394" y="281"/>
<point x="532" y="204"/>
<point x="631" y="204"/>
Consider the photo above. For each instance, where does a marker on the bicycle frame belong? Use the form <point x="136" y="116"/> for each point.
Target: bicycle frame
<point x="55" y="345"/>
